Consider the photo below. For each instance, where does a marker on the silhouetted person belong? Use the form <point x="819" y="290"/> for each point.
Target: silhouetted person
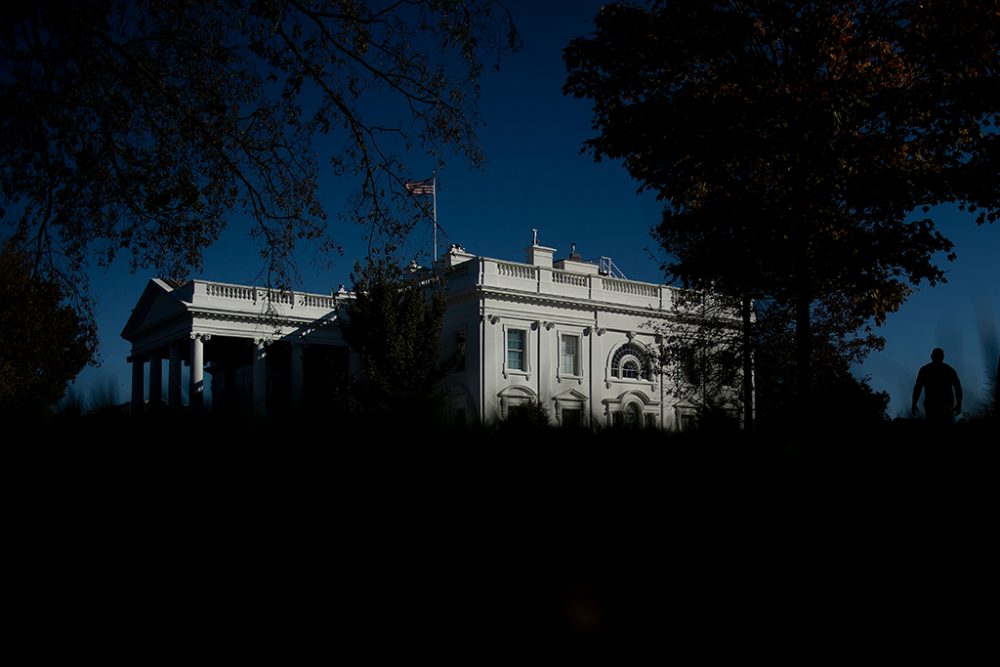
<point x="942" y="390"/>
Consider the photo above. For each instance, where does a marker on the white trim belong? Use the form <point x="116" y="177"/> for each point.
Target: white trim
<point x="514" y="395"/>
<point x="646" y="368"/>
<point x="560" y="373"/>
<point x="646" y="407"/>
<point x="526" y="329"/>
<point x="574" y="400"/>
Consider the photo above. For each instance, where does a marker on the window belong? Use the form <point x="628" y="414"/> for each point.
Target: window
<point x="569" y="354"/>
<point x="629" y="416"/>
<point x="629" y="363"/>
<point x="691" y="364"/>
<point x="572" y="417"/>
<point x="519" y="411"/>
<point x="689" y="421"/>
<point x="516" y="350"/>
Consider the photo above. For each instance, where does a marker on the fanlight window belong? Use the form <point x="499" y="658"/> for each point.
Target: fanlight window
<point x="629" y="363"/>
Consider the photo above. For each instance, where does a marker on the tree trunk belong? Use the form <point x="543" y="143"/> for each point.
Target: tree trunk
<point x="748" y="407"/>
<point x="803" y="356"/>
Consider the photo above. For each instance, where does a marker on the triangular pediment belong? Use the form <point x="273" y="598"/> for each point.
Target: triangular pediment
<point x="159" y="302"/>
<point x="570" y="395"/>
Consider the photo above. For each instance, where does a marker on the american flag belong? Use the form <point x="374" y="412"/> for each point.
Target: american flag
<point x="424" y="187"/>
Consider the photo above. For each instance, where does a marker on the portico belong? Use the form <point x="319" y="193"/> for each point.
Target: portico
<point x="251" y="342"/>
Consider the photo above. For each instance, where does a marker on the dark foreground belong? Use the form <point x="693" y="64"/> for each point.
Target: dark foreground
<point x="150" y="537"/>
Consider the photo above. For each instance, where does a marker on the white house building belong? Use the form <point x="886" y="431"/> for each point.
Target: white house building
<point x="564" y="334"/>
<point x="260" y="347"/>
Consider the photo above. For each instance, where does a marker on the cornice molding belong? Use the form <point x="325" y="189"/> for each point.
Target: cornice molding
<point x="517" y="296"/>
<point x="254" y="318"/>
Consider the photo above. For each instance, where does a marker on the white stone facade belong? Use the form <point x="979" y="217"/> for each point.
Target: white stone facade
<point x="578" y="342"/>
<point x="562" y="334"/>
<point x="255" y="343"/>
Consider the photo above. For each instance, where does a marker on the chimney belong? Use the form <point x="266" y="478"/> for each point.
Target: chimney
<point x="539" y="255"/>
<point x="575" y="263"/>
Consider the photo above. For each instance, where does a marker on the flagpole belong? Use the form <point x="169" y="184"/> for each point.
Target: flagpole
<point x="434" y="210"/>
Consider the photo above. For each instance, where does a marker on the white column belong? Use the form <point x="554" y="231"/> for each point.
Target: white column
<point x="259" y="376"/>
<point x="297" y="373"/>
<point x="598" y="409"/>
<point x="155" y="381"/>
<point x="137" y="383"/>
<point x="590" y="336"/>
<point x="174" y="377"/>
<point x="196" y="394"/>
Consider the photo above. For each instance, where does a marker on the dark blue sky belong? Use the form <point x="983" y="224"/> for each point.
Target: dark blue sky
<point x="536" y="178"/>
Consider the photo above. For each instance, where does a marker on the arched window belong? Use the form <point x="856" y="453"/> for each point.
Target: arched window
<point x="517" y="402"/>
<point x="629" y="363"/>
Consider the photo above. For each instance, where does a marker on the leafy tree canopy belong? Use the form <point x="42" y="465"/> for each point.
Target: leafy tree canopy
<point x="792" y="140"/>
<point x="815" y="126"/>
<point x="394" y="324"/>
<point x="843" y="401"/>
<point x="141" y="125"/>
<point x="43" y="342"/>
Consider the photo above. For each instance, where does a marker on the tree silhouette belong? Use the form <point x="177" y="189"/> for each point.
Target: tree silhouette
<point x="699" y="354"/>
<point x="394" y="324"/>
<point x="791" y="141"/>
<point x="43" y="342"/>
<point x="842" y="401"/>
<point x="144" y="125"/>
<point x="995" y="393"/>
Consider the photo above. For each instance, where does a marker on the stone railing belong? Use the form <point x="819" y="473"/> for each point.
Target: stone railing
<point x="515" y="270"/>
<point x="276" y="296"/>
<point x="570" y="285"/>
<point x="566" y="278"/>
<point x="241" y="296"/>
<point x="629" y="287"/>
<point x="224" y="291"/>
<point x="318" y="301"/>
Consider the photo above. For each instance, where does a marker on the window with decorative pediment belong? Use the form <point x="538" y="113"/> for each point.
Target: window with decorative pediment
<point x="630" y="362"/>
